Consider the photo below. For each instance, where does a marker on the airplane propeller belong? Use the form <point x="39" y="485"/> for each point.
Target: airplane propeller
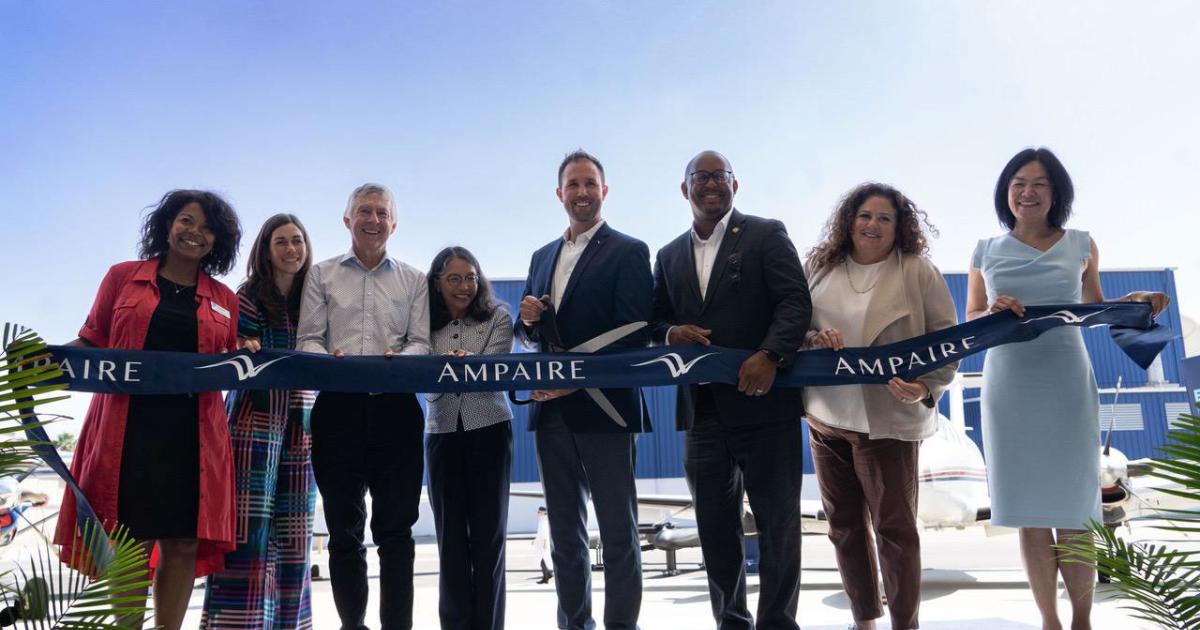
<point x="1112" y="422"/>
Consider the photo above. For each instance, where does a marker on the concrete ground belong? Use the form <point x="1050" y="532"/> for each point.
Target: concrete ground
<point x="971" y="581"/>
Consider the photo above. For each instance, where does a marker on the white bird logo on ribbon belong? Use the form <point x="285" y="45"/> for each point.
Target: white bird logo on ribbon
<point x="1067" y="317"/>
<point x="675" y="363"/>
<point x="244" y="365"/>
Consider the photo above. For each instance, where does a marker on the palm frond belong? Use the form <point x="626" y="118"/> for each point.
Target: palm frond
<point x="56" y="596"/>
<point x="43" y="592"/>
<point x="1160" y="584"/>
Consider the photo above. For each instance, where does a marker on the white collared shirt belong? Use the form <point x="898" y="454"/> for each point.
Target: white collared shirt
<point x="568" y="256"/>
<point x="705" y="251"/>
<point x="364" y="312"/>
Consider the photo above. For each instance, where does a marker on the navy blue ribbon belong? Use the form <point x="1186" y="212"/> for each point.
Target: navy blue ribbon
<point x="143" y="372"/>
<point x="100" y="552"/>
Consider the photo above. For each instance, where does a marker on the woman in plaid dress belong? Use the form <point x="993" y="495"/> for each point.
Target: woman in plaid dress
<point x="265" y="583"/>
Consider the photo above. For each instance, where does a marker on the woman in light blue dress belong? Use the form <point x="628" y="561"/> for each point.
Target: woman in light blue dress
<point x="1040" y="408"/>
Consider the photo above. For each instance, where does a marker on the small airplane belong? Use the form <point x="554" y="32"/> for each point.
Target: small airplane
<point x="953" y="491"/>
<point x="15" y="499"/>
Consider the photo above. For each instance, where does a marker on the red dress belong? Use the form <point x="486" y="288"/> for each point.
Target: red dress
<point x="120" y="318"/>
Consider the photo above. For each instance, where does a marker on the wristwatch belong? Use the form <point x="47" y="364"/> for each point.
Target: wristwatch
<point x="775" y="357"/>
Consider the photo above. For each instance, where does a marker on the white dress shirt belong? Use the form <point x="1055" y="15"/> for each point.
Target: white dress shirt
<point x="705" y="251"/>
<point x="568" y="256"/>
<point x="364" y="312"/>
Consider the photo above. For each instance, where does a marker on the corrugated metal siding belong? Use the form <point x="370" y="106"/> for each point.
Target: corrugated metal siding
<point x="509" y="292"/>
<point x="660" y="453"/>
<point x="1122" y="417"/>
<point x="1174" y="410"/>
<point x="957" y="283"/>
<point x="1144" y="443"/>
<point x="525" y="466"/>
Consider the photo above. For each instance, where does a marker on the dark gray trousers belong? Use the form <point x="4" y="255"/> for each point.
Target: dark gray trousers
<point x="572" y="466"/>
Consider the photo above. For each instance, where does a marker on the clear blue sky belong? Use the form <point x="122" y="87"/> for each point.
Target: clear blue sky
<point x="465" y="108"/>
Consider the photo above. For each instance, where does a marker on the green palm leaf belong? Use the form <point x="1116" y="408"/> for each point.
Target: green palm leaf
<point x="1160" y="585"/>
<point x="46" y="592"/>
<point x="92" y="598"/>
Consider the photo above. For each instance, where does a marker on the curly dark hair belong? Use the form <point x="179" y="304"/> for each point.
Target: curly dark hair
<point x="1062" y="190"/>
<point x="218" y="215"/>
<point x="482" y="305"/>
<point x="260" y="273"/>
<point x="835" y="242"/>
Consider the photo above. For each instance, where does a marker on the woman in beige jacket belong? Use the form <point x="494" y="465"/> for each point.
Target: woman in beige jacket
<point x="872" y="284"/>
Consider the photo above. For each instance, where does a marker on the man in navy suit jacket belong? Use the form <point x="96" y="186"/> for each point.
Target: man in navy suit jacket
<point x="736" y="281"/>
<point x="597" y="279"/>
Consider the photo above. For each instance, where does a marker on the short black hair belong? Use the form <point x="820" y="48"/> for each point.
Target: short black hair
<point x="579" y="155"/>
<point x="1063" y="191"/>
<point x="218" y="216"/>
<point x="482" y="305"/>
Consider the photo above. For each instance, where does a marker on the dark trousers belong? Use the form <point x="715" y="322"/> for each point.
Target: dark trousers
<point x="469" y="473"/>
<point x="723" y="464"/>
<point x="871" y="484"/>
<point x="572" y="465"/>
<point x="369" y="442"/>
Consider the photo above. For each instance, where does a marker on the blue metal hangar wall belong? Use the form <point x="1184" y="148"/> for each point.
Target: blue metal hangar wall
<point x="1148" y="400"/>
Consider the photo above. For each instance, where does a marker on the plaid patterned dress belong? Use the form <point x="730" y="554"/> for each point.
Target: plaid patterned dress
<point x="265" y="583"/>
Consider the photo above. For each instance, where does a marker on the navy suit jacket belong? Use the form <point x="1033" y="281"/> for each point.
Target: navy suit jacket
<point x="757" y="298"/>
<point x="611" y="286"/>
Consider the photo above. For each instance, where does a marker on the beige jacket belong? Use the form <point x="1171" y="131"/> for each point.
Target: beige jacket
<point x="910" y="299"/>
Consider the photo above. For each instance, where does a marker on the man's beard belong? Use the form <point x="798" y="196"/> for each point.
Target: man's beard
<point x="586" y="214"/>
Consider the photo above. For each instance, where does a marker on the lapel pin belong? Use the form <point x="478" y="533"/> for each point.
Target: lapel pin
<point x="736" y="229"/>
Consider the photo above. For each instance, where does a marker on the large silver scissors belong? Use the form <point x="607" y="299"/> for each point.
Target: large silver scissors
<point x="548" y="327"/>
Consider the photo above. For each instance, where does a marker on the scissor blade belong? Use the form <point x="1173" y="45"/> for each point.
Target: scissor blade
<point x="607" y="406"/>
<point x="605" y="339"/>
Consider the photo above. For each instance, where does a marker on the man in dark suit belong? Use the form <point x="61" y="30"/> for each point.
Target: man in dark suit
<point x="736" y="281"/>
<point x="597" y="279"/>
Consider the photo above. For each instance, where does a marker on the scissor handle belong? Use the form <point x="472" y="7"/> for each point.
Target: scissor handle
<point x="512" y="397"/>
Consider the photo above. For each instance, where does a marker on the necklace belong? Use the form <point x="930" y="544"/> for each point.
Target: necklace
<point x="850" y="279"/>
<point x="178" y="288"/>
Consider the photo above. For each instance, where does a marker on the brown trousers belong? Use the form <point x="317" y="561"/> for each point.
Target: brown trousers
<point x="870" y="485"/>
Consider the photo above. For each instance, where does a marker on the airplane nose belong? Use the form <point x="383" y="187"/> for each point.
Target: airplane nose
<point x="1113" y="469"/>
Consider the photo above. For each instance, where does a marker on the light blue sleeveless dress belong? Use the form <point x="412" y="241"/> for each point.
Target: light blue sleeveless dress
<point x="1041" y="430"/>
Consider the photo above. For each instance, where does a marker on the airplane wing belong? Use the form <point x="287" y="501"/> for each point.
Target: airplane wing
<point x="1154" y="497"/>
<point x="680" y="506"/>
<point x="812" y="517"/>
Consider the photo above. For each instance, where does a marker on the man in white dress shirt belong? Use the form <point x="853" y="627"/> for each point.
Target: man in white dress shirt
<point x="597" y="279"/>
<point x="364" y="303"/>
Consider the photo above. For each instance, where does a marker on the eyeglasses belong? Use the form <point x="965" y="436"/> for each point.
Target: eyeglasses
<point x="456" y="280"/>
<point x="701" y="178"/>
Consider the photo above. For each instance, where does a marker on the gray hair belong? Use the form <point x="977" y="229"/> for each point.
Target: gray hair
<point x="370" y="188"/>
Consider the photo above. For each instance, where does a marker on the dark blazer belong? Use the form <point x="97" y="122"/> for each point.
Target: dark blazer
<point x="757" y="298"/>
<point x="611" y="286"/>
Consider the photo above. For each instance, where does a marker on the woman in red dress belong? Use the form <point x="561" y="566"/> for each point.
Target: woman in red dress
<point x="160" y="465"/>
